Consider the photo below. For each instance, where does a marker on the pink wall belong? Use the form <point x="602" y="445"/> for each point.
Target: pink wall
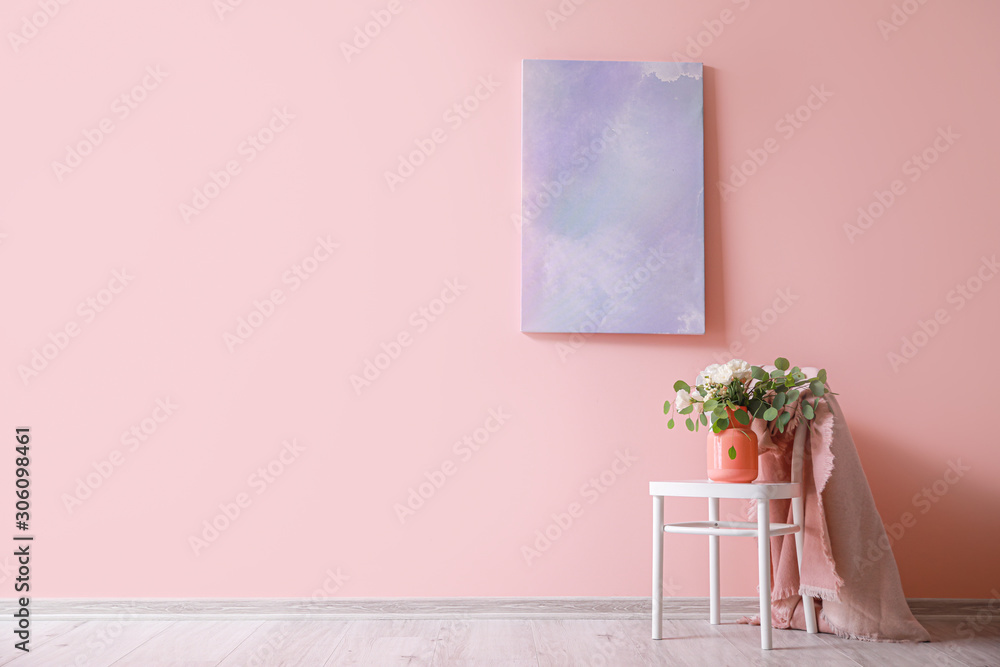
<point x="195" y="86"/>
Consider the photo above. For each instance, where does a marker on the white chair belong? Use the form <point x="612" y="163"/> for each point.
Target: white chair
<point x="763" y="530"/>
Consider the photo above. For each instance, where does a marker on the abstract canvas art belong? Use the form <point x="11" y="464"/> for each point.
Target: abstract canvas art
<point x="613" y="192"/>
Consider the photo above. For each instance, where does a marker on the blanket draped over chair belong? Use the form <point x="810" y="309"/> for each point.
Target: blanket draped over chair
<point x="847" y="559"/>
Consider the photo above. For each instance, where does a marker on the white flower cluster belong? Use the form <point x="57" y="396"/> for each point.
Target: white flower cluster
<point x="708" y="381"/>
<point x="734" y="369"/>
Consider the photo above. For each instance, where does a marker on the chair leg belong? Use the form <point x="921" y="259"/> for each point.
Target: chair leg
<point x="713" y="564"/>
<point x="764" y="565"/>
<point x="807" y="602"/>
<point x="657" y="567"/>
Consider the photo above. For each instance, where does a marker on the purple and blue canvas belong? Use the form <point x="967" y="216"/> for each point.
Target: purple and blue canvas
<point x="613" y="193"/>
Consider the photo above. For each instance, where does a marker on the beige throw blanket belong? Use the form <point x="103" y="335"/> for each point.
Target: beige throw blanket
<point x="862" y="597"/>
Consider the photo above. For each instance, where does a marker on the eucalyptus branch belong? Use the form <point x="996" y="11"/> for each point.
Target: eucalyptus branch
<point x="737" y="392"/>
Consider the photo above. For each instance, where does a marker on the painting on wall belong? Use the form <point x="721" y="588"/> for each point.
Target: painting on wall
<point x="613" y="197"/>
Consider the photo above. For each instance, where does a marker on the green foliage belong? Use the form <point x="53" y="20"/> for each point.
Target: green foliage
<point x="771" y="396"/>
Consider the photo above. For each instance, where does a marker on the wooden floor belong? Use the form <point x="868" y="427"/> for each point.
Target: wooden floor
<point x="597" y="642"/>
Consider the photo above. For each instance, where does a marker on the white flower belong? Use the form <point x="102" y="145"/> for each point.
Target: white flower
<point x="741" y="369"/>
<point x="722" y="374"/>
<point x="706" y="375"/>
<point x="683" y="400"/>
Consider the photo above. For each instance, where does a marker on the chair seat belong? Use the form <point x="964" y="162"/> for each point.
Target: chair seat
<point x="710" y="489"/>
<point x="728" y="528"/>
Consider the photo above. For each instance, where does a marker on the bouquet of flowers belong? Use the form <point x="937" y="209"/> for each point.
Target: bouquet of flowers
<point x="735" y="385"/>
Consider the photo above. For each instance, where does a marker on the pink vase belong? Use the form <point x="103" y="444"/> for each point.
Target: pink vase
<point x="732" y="453"/>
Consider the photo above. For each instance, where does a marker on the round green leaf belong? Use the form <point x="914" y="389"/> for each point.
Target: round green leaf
<point x="792" y="395"/>
<point x="781" y="363"/>
<point x="817" y="388"/>
<point x="742" y="417"/>
<point x="777" y="373"/>
<point x="807" y="411"/>
<point x="757" y="373"/>
<point x="670" y="424"/>
<point x="666" y="407"/>
<point x="732" y="453"/>
<point x="686" y="411"/>
<point x="821" y="376"/>
<point x="681" y="384"/>
<point x="770" y="414"/>
<point x="710" y="404"/>
<point x="779" y="400"/>
<point x="689" y="424"/>
<point x="703" y="419"/>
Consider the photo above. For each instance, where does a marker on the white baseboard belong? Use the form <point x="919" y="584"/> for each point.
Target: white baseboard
<point x="625" y="608"/>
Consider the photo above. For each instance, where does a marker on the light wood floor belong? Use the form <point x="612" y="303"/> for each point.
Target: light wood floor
<point x="539" y="643"/>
